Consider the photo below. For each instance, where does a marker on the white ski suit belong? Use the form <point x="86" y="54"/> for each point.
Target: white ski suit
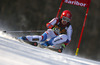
<point x="57" y="33"/>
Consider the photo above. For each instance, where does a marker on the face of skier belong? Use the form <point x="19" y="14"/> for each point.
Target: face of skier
<point x="65" y="20"/>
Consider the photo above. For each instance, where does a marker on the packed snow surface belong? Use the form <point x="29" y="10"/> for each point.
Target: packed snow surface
<point x="13" y="52"/>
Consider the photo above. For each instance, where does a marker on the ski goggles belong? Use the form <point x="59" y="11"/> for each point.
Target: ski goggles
<point x="65" y="19"/>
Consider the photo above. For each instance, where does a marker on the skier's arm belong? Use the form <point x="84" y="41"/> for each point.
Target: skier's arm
<point x="69" y="34"/>
<point x="51" y="23"/>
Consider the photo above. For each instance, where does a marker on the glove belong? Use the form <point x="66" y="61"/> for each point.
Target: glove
<point x="63" y="45"/>
<point x="56" y="30"/>
<point x="48" y="25"/>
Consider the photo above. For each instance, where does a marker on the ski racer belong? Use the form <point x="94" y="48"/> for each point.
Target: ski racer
<point x="59" y="31"/>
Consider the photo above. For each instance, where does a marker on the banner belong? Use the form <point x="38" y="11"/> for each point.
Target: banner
<point x="82" y="3"/>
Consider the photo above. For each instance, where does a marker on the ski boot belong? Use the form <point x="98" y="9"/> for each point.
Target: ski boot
<point x="60" y="50"/>
<point x="45" y="44"/>
<point x="22" y="38"/>
<point x="33" y="43"/>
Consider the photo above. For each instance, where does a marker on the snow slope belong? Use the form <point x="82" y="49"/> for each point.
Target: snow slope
<point x="13" y="52"/>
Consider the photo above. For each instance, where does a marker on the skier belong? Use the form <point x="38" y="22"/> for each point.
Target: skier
<point x="59" y="31"/>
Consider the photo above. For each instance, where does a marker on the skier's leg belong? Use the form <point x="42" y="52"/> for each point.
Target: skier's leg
<point x="50" y="35"/>
<point x="47" y="34"/>
<point x="44" y="36"/>
<point x="30" y="38"/>
<point x="34" y="38"/>
<point x="58" y="39"/>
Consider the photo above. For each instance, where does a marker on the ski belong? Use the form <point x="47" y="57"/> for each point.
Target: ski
<point x="37" y="44"/>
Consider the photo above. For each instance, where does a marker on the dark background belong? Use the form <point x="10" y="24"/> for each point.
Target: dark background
<point x="34" y="14"/>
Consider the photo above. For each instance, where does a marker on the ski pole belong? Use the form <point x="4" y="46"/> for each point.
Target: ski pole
<point x="60" y="8"/>
<point x="77" y="50"/>
<point x="24" y="31"/>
